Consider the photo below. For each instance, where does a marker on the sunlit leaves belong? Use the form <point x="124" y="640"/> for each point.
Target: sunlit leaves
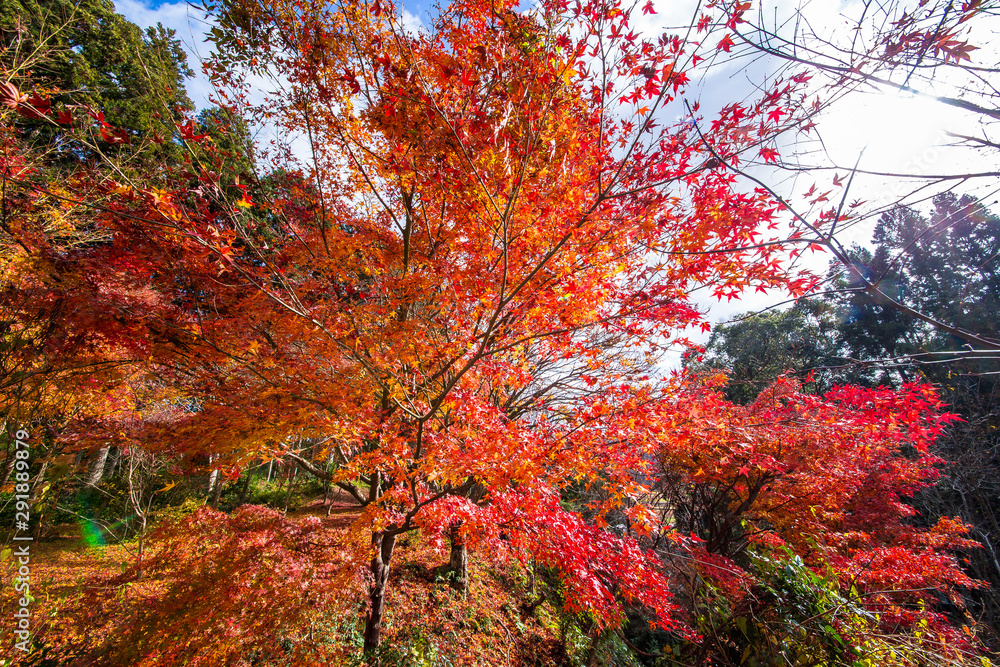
<point x="827" y="477"/>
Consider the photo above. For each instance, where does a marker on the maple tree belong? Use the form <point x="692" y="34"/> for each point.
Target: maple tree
<point x="72" y="381"/>
<point x="456" y="296"/>
<point x="937" y="262"/>
<point x="919" y="52"/>
<point x="485" y="218"/>
<point x="820" y="482"/>
<point x="760" y="461"/>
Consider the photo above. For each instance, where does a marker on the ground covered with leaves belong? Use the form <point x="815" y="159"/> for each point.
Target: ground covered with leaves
<point x="231" y="598"/>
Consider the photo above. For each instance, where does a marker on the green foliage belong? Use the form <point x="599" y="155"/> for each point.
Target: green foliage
<point x="787" y="618"/>
<point x="95" y="58"/>
<point x="762" y="347"/>
<point x="233" y="145"/>
<point x="418" y="650"/>
<point x="104" y="511"/>
<point x="273" y="493"/>
<point x="174" y="513"/>
<point x="796" y="615"/>
<point x="943" y="264"/>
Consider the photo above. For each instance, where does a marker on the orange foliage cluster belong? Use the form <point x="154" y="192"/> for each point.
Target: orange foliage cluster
<point x="458" y="298"/>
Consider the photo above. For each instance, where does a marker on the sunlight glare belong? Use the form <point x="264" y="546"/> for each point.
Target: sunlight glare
<point x="896" y="131"/>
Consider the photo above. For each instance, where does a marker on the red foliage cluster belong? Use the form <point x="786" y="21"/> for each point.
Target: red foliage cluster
<point x="827" y="477"/>
<point x="453" y="295"/>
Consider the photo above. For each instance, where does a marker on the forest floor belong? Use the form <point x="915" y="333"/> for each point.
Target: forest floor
<point x="427" y="622"/>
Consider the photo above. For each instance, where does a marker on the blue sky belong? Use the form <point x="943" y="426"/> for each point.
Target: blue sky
<point x="897" y="132"/>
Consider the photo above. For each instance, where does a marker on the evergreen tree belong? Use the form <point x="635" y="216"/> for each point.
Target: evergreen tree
<point x="760" y="347"/>
<point x="91" y="59"/>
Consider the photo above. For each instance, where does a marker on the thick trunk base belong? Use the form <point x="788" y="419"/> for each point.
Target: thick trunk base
<point x="458" y="562"/>
<point x="383" y="545"/>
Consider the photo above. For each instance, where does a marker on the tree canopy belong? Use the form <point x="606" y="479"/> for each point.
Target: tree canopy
<point x="448" y="302"/>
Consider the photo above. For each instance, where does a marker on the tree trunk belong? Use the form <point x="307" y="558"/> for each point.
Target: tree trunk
<point x="135" y="499"/>
<point x="291" y="480"/>
<point x="97" y="467"/>
<point x="114" y="456"/>
<point x="213" y="478"/>
<point x="10" y="470"/>
<point x="595" y="639"/>
<point x="458" y="562"/>
<point x="217" y="494"/>
<point x="383" y="545"/>
<point x="246" y="487"/>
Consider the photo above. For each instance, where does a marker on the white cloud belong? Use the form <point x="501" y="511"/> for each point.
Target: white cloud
<point x="412" y="22"/>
